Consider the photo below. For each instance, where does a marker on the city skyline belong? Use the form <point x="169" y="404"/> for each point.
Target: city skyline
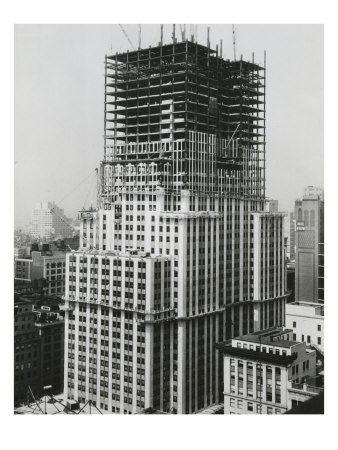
<point x="63" y="131"/>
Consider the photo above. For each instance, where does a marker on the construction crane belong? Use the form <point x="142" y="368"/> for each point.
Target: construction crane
<point x="234" y="40"/>
<point x="126" y="35"/>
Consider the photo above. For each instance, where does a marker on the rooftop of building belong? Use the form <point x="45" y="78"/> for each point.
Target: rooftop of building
<point x="185" y="45"/>
<point x="48" y="310"/>
<point x="50" y="404"/>
<point x="316" y="309"/>
<point x="257" y="339"/>
<point x="273" y="337"/>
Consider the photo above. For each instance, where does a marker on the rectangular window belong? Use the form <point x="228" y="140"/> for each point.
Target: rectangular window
<point x="309" y="339"/>
<point x="294" y="324"/>
<point x="250" y="406"/>
<point x="319" y="328"/>
<point x="319" y="341"/>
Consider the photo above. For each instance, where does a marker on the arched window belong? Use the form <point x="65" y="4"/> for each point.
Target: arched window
<point x="312" y="218"/>
<point x="299" y="213"/>
<point x="306" y="218"/>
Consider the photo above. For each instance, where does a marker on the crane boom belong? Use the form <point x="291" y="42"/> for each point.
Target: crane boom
<point x="126" y="35"/>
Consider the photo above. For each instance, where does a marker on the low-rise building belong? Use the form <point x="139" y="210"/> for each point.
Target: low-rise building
<point x="47" y="265"/>
<point x="307" y="322"/>
<point x="265" y="371"/>
<point x="50" y="325"/>
<point x="38" y="345"/>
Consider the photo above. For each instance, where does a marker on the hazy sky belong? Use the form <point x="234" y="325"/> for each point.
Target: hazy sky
<point x="59" y="86"/>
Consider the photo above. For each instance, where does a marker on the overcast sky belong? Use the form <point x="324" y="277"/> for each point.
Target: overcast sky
<point x="59" y="86"/>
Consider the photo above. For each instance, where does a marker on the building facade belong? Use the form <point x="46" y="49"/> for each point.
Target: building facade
<point x="290" y="234"/>
<point x="307" y="322"/>
<point x="49" y="322"/>
<point x="49" y="266"/>
<point x="48" y="221"/>
<point x="265" y="373"/>
<point x="180" y="253"/>
<point x="26" y="349"/>
<point x="309" y="214"/>
<point x="38" y="346"/>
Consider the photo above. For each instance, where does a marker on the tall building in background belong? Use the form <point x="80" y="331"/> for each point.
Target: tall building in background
<point x="48" y="221"/>
<point x="309" y="214"/>
<point x="180" y="252"/>
<point x="290" y="230"/>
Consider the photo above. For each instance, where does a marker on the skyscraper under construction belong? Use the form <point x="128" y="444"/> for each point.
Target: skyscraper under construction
<point x="179" y="253"/>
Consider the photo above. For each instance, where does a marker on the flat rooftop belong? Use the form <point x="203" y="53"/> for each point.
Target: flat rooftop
<point x="266" y="340"/>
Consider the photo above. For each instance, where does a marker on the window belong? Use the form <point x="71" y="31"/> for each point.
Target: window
<point x="294" y="324"/>
<point x="240" y="404"/>
<point x="302" y="337"/>
<point x="250" y="406"/>
<point x="294" y="336"/>
<point x="319" y="341"/>
<point x="258" y="409"/>
<point x="270" y="410"/>
<point x="308" y="339"/>
<point x="319" y="328"/>
<point x="232" y="402"/>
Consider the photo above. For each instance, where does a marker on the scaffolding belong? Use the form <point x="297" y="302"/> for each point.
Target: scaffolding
<point x="160" y="101"/>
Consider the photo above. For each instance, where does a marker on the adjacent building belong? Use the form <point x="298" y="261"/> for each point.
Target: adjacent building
<point x="50" y="325"/>
<point x="45" y="264"/>
<point x="266" y="372"/>
<point x="290" y="281"/>
<point x="26" y="349"/>
<point x="38" y="346"/>
<point x="309" y="275"/>
<point x="307" y="323"/>
<point x="180" y="252"/>
<point x="49" y="221"/>
<point x="290" y="234"/>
